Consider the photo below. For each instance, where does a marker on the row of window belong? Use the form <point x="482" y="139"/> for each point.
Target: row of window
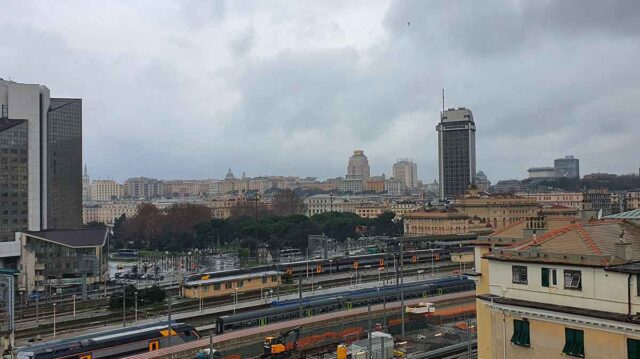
<point x="573" y="340"/>
<point x="549" y="277"/>
<point x="239" y="284"/>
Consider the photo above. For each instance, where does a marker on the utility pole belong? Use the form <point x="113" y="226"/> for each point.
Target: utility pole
<point x="402" y="285"/>
<point x="211" y="344"/>
<point x="124" y="305"/>
<point x="369" y="347"/>
<point x="299" y="295"/>
<point x="169" y="320"/>
<point x="136" y="307"/>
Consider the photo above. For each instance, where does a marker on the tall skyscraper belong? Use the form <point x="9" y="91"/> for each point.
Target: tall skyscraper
<point x="64" y="163"/>
<point x="86" y="185"/>
<point x="568" y="167"/>
<point x="406" y="171"/>
<point x="358" y="167"/>
<point x="456" y="151"/>
<point x="40" y="160"/>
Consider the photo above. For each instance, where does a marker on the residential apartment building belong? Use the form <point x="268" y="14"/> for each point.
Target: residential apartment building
<point x="435" y="222"/>
<point x="597" y="199"/>
<point x="40" y="160"/>
<point x="499" y="210"/>
<point x="570" y="291"/>
<point x="185" y="188"/>
<point x="143" y="188"/>
<point x="394" y="186"/>
<point x="406" y="171"/>
<point x="456" y="152"/>
<point x="371" y="210"/>
<point x="375" y="184"/>
<point x="322" y="203"/>
<point x="108" y="212"/>
<point x="106" y="190"/>
<point x="566" y="199"/>
<point x="353" y="185"/>
<point x="632" y="200"/>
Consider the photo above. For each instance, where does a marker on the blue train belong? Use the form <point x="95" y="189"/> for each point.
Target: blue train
<point x="286" y="310"/>
<point x="382" y="289"/>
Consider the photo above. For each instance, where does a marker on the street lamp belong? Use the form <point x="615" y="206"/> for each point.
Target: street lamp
<point x="54" y="320"/>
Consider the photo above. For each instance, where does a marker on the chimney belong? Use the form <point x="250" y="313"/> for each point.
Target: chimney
<point x="623" y="248"/>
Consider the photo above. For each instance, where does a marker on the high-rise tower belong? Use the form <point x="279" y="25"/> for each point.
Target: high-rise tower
<point x="358" y="167"/>
<point x="406" y="171"/>
<point x="40" y="159"/>
<point x="456" y="151"/>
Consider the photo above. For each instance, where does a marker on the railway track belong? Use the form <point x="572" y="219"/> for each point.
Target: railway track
<point x="160" y="311"/>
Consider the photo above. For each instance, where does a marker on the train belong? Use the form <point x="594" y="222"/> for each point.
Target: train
<point x="335" y="265"/>
<point x="341" y="301"/>
<point x="116" y="343"/>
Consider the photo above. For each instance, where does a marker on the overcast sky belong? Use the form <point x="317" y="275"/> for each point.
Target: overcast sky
<point x="187" y="89"/>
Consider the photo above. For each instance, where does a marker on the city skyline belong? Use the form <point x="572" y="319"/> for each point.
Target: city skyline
<point x="294" y="89"/>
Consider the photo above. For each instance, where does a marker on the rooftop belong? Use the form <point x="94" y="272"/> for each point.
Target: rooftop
<point x="76" y="238"/>
<point x="591" y="244"/>
<point x="634" y="214"/>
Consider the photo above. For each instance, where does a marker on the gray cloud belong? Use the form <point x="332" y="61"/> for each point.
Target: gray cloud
<point x="188" y="89"/>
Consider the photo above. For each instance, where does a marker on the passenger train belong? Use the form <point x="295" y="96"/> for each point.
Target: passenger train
<point x="116" y="343"/>
<point x="287" y="310"/>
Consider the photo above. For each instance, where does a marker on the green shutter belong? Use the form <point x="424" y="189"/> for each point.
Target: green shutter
<point x="517" y="327"/>
<point x="633" y="348"/>
<point x="568" y="341"/>
<point x="526" y="337"/>
<point x="574" y="342"/>
<point x="545" y="277"/>
<point x="580" y="343"/>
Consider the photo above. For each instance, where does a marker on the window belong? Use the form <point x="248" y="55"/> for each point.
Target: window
<point x="633" y="348"/>
<point x="519" y="274"/>
<point x="240" y="284"/>
<point x="549" y="277"/>
<point x="216" y="286"/>
<point x="521" y="334"/>
<point x="573" y="342"/>
<point x="227" y="285"/>
<point x="264" y="280"/>
<point x="573" y="279"/>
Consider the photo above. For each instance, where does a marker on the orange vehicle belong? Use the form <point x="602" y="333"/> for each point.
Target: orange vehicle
<point x="276" y="347"/>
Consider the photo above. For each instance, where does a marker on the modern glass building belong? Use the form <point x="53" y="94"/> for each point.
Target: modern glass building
<point x="64" y="163"/>
<point x="568" y="167"/>
<point x="14" y="176"/>
<point x="456" y="152"/>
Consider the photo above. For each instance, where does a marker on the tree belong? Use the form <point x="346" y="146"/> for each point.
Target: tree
<point x="287" y="203"/>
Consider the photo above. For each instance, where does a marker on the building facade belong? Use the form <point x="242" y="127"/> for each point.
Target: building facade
<point x="353" y="185"/>
<point x="482" y="182"/>
<point x="598" y="199"/>
<point x="456" y="152"/>
<point x="571" y="292"/>
<point x="41" y="159"/>
<point x="542" y="173"/>
<point x="143" y="188"/>
<point x="406" y="171"/>
<point x="358" y="167"/>
<point x="108" y="212"/>
<point x="508" y="186"/>
<point x="64" y="163"/>
<point x="394" y="186"/>
<point x="14" y="175"/>
<point x="566" y="199"/>
<point x="86" y="186"/>
<point x="568" y="167"/>
<point x="498" y="210"/>
<point x="106" y="190"/>
<point x="435" y="222"/>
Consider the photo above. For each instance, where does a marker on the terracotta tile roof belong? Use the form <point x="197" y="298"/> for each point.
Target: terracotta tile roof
<point x="594" y="242"/>
<point x="514" y="230"/>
